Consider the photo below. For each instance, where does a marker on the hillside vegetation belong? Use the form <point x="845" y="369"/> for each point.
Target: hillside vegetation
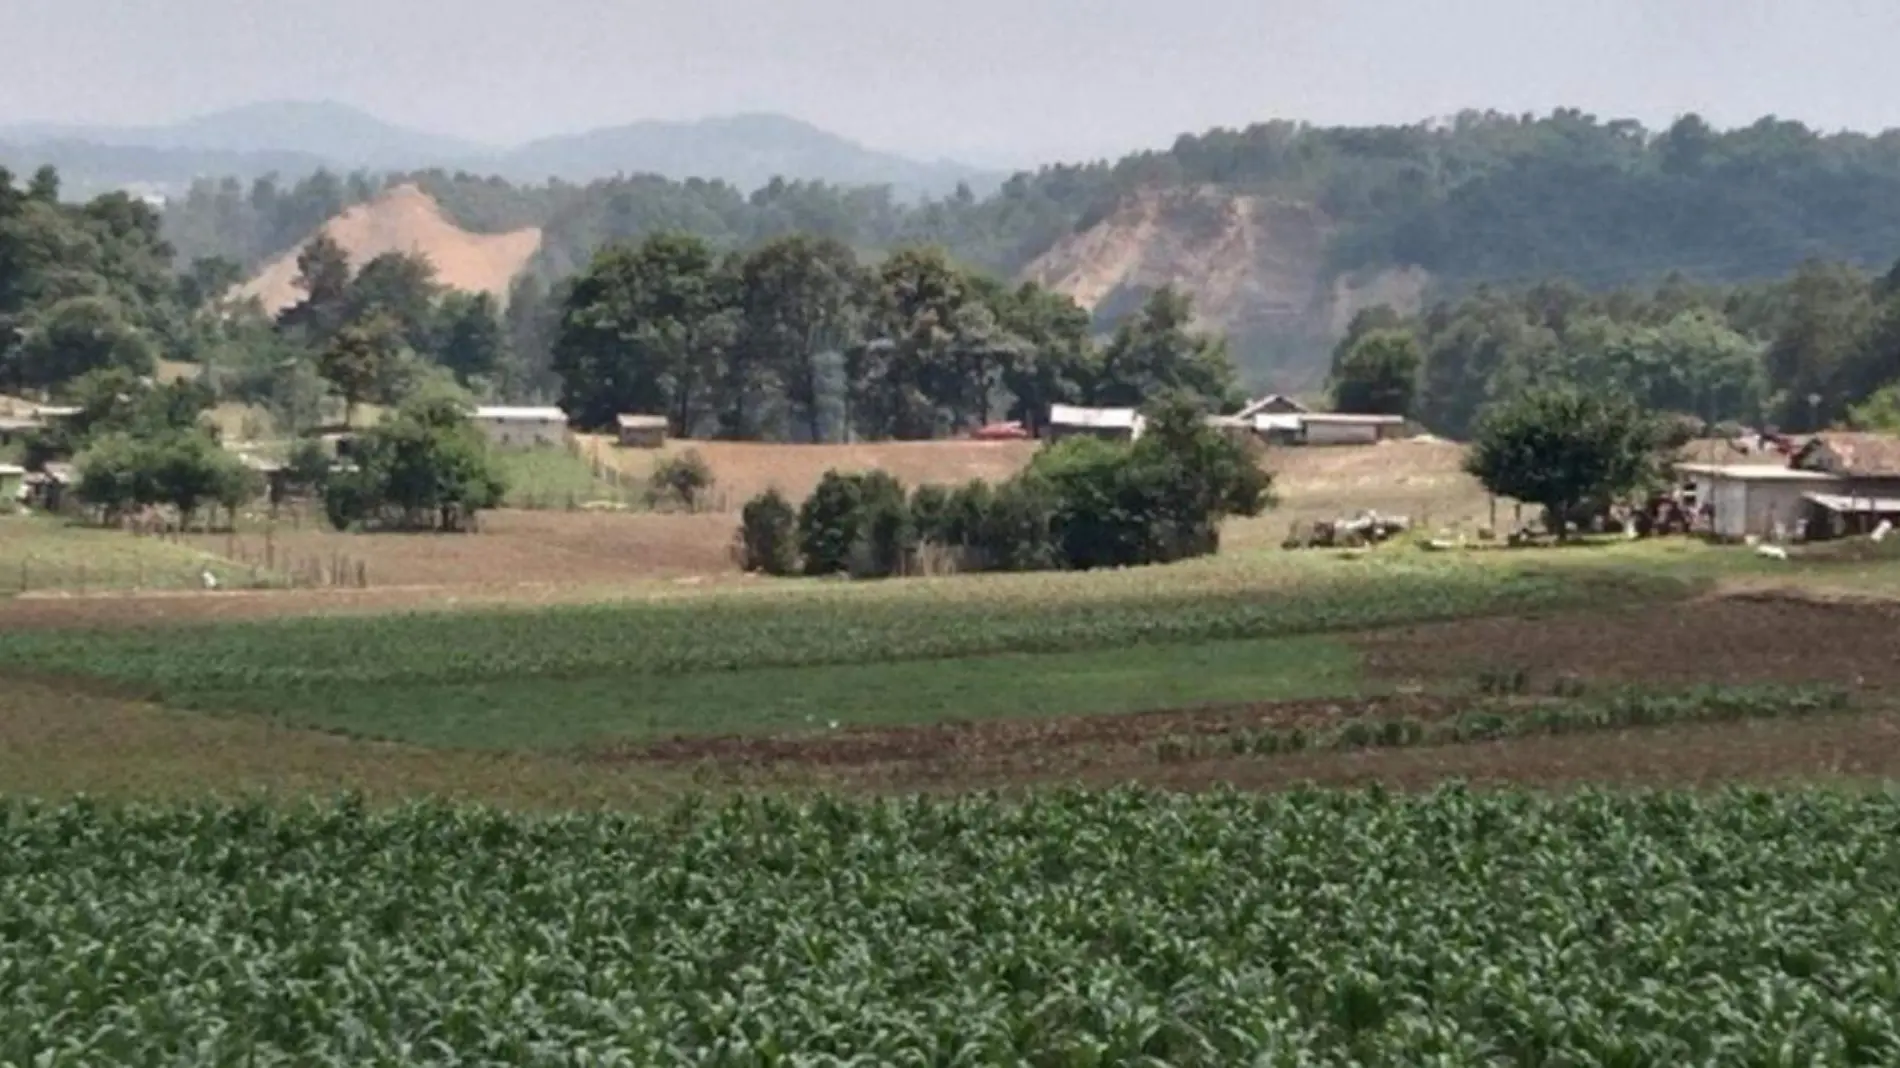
<point x="1279" y="231"/>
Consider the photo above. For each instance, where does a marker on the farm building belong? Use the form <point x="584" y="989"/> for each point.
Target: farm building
<point x="1338" y="428"/>
<point x="1325" y="428"/>
<point x="1272" y="404"/>
<point x="1866" y="468"/>
<point x="1759" y="499"/>
<point x="15" y="428"/>
<point x="1113" y="424"/>
<point x="1868" y="464"/>
<point x="641" y="431"/>
<point x="522" y="427"/>
<point x="46" y="489"/>
<point x="1837" y="515"/>
<point x="1233" y="426"/>
<point x="12" y="486"/>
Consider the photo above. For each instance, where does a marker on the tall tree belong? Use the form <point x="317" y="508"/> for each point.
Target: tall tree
<point x="1562" y="447"/>
<point x="323" y="276"/>
<point x="903" y="380"/>
<point x="1056" y="362"/>
<point x="469" y="340"/>
<point x="80" y="335"/>
<point x="1157" y="351"/>
<point x="1378" y="374"/>
<point x="643" y="330"/>
<point x="400" y="287"/>
<point x="800" y="302"/>
<point x="357" y="360"/>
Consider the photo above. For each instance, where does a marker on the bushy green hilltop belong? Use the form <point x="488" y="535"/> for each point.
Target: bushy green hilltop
<point x="1482" y="196"/>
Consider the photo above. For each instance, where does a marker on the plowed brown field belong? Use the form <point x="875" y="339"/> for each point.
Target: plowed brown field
<point x="1738" y="639"/>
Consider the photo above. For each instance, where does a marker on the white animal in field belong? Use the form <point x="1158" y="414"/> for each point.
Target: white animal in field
<point x="1773" y="552"/>
<point x="1885" y="528"/>
<point x="209" y="580"/>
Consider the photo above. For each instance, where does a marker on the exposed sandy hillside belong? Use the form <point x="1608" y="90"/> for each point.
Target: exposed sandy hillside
<point x="405" y="219"/>
<point x="1256" y="266"/>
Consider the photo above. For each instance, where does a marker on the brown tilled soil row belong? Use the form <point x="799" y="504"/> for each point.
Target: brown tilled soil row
<point x="1761" y="637"/>
<point x="994" y="741"/>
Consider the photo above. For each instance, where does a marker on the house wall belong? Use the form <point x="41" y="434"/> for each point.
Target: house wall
<point x="1744" y="507"/>
<point x="642" y="437"/>
<point x="1106" y="433"/>
<point x="1323" y="433"/>
<point x="522" y="433"/>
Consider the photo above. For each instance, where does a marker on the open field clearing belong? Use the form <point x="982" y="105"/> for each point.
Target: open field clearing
<point x="515" y="547"/>
<point x="548" y="544"/>
<point x="532" y="559"/>
<point x="551" y="478"/>
<point x="744" y="469"/>
<point x="449" y="674"/>
<point x="775" y="657"/>
<point x="41" y="553"/>
<point x="1107" y="928"/>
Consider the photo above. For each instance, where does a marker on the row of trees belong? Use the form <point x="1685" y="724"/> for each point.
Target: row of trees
<point x="797" y="340"/>
<point x="1802" y="353"/>
<point x="1082" y="503"/>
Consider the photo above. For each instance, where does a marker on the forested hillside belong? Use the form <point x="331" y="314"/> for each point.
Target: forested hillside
<point x="1483" y="197"/>
<point x="802" y="336"/>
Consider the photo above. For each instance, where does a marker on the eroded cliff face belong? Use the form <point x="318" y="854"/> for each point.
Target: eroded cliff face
<point x="1255" y="266"/>
<point x="406" y="219"/>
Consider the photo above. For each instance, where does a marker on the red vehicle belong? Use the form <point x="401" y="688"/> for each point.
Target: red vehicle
<point x="1010" y="431"/>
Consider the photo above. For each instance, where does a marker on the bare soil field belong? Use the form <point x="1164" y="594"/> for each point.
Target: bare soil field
<point x="54" y="742"/>
<point x="1763" y="637"/>
<point x="744" y="469"/>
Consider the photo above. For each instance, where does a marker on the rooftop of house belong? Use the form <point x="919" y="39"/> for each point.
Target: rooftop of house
<point x="510" y="413"/>
<point x="1271" y="403"/>
<point x="1099" y="418"/>
<point x="1862" y="455"/>
<point x="1842" y="502"/>
<point x="641" y="422"/>
<point x="1755" y="472"/>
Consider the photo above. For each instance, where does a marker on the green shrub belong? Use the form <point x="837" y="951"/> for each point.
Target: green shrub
<point x="768" y="534"/>
<point x="683" y="481"/>
<point x="886" y="536"/>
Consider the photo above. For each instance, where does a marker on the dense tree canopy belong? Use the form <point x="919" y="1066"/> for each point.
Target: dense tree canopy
<point x="796" y="340"/>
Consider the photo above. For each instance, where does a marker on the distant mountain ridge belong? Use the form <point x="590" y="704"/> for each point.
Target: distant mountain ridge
<point x="746" y="151"/>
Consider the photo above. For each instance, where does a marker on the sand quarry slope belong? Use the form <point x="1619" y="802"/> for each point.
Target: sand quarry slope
<point x="1256" y="266"/>
<point x="406" y="219"/>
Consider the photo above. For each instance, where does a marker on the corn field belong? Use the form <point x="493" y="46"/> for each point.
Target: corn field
<point x="1070" y="929"/>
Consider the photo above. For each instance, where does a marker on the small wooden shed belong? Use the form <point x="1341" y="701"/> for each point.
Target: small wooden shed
<point x="641" y="431"/>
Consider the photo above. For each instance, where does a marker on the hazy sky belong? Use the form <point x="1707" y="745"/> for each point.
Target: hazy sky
<point x="994" y="81"/>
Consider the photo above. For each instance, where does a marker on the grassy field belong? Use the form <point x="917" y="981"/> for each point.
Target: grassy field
<point x="553" y="478"/>
<point x="786" y="655"/>
<point x="1120" y="927"/>
<point x="44" y="553"/>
